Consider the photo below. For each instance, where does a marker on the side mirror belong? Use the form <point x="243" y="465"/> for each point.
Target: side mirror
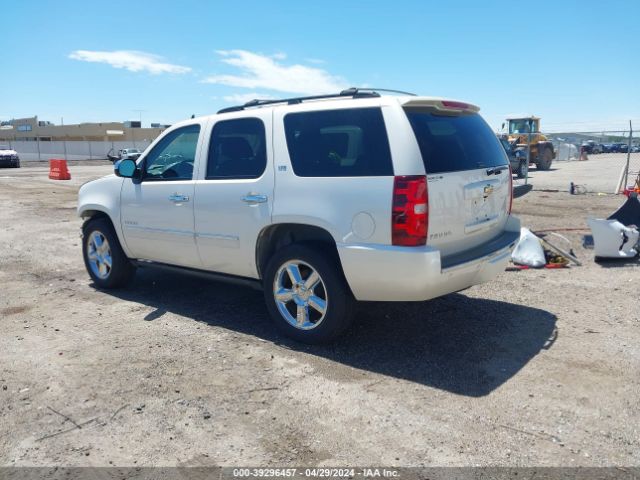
<point x="125" y="168"/>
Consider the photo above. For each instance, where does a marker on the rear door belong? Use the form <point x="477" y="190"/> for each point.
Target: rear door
<point x="234" y="196"/>
<point x="467" y="175"/>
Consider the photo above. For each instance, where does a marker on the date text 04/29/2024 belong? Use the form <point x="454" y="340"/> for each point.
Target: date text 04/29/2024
<point x="315" y="472"/>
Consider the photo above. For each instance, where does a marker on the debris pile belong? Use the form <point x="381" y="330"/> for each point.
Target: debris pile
<point x="615" y="237"/>
<point x="536" y="251"/>
<point x="618" y="235"/>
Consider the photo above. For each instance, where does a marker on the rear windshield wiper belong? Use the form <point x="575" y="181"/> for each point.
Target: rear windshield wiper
<point x="495" y="171"/>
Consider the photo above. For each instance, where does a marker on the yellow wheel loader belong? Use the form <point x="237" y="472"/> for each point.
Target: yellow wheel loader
<point x="525" y="132"/>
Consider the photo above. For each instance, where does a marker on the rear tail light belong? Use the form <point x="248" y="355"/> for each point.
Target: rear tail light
<point x="410" y="211"/>
<point x="510" y="190"/>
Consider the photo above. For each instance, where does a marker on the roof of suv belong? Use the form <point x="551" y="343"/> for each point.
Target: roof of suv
<point x="404" y="98"/>
<point x="367" y="95"/>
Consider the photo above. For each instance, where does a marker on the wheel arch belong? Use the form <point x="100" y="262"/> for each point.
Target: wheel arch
<point x="276" y="236"/>
<point x="93" y="212"/>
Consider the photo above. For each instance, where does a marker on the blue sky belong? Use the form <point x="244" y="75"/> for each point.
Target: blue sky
<point x="574" y="63"/>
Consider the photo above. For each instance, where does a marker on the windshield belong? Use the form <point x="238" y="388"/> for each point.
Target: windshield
<point x="522" y="126"/>
<point x="455" y="143"/>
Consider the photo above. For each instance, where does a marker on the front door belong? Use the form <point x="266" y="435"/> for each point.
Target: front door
<point x="157" y="212"/>
<point x="234" y="196"/>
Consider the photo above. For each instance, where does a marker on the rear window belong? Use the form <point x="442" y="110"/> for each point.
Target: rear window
<point x="454" y="143"/>
<point x="338" y="143"/>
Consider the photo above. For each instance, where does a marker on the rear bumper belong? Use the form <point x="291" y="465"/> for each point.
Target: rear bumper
<point x="8" y="162"/>
<point x="388" y="273"/>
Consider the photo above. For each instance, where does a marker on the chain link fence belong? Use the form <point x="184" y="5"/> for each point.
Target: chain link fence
<point x="619" y="147"/>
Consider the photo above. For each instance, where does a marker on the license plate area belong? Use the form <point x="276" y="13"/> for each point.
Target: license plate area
<point x="482" y="204"/>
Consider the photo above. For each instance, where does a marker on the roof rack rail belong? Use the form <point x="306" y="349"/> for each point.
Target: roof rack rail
<point x="349" y="92"/>
<point x="390" y="90"/>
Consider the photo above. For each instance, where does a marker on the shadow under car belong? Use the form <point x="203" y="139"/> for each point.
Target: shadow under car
<point x="465" y="345"/>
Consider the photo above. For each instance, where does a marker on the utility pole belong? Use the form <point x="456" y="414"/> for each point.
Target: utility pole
<point x="626" y="174"/>
<point x="140" y="114"/>
<point x="64" y="141"/>
<point x="529" y="127"/>
<point x="133" y="135"/>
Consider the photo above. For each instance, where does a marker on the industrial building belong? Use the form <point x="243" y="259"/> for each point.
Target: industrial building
<point x="32" y="129"/>
<point x="35" y="139"/>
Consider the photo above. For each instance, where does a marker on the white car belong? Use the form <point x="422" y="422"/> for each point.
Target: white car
<point x="132" y="153"/>
<point x="9" y="157"/>
<point x="321" y="200"/>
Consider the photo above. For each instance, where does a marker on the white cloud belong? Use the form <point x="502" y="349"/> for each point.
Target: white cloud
<point x="242" y="98"/>
<point x="132" y="60"/>
<point x="261" y="71"/>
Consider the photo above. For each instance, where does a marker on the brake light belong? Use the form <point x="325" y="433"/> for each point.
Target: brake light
<point x="452" y="104"/>
<point x="510" y="190"/>
<point x="410" y="211"/>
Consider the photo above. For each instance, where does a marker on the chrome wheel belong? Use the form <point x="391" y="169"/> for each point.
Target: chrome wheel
<point x="99" y="255"/>
<point x="300" y="294"/>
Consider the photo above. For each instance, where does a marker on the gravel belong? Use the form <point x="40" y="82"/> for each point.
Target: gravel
<point x="537" y="368"/>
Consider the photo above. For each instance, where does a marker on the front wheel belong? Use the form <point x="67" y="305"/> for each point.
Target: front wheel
<point x="306" y="294"/>
<point x="106" y="262"/>
<point x="522" y="169"/>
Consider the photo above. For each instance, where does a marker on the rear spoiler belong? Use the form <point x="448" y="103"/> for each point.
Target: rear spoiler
<point x="443" y="105"/>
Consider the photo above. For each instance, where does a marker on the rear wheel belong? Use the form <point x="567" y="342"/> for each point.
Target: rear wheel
<point x="106" y="262"/>
<point x="306" y="294"/>
<point x="545" y="158"/>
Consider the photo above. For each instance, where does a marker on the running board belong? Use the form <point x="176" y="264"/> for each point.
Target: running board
<point x="220" y="277"/>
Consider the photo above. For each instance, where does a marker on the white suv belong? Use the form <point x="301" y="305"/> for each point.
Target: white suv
<point x="322" y="200"/>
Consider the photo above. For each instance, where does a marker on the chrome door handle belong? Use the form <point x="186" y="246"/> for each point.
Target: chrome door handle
<point x="252" y="199"/>
<point x="178" y="198"/>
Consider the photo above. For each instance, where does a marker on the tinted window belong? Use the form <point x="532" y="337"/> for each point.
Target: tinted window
<point x="173" y="156"/>
<point x="338" y="143"/>
<point x="454" y="143"/>
<point x="237" y="149"/>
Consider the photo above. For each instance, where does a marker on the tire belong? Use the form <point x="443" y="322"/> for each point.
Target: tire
<point x="97" y="256"/>
<point x="521" y="172"/>
<point x="309" y="315"/>
<point x="545" y="159"/>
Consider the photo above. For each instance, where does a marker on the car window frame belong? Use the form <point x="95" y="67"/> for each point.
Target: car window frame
<point x="143" y="165"/>
<point x="211" y="144"/>
<point x="387" y="140"/>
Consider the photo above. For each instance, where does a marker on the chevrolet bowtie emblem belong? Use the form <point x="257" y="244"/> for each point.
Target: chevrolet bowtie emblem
<point x="488" y="190"/>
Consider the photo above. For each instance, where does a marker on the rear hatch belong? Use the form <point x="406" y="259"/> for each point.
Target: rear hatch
<point x="467" y="176"/>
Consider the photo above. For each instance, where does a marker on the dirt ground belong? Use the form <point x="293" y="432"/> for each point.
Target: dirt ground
<point x="537" y="368"/>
